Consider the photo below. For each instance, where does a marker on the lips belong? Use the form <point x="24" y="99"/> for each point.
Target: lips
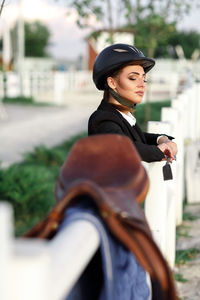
<point x="140" y="93"/>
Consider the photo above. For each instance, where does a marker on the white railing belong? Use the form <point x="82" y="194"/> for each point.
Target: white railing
<point x="33" y="269"/>
<point x="164" y="202"/>
<point x="52" y="87"/>
<point x="43" y="270"/>
<point x="56" y="87"/>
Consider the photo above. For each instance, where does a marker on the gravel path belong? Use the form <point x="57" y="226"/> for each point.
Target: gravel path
<point x="28" y="126"/>
<point x="190" y="290"/>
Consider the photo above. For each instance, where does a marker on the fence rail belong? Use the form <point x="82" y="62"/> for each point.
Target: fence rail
<point x="32" y="268"/>
<point x="55" y="86"/>
<point x="44" y="270"/>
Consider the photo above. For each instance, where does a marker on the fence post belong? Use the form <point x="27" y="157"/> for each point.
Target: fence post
<point x="197" y="110"/>
<point x="173" y="116"/>
<point x="59" y="87"/>
<point x="5" y="250"/>
<point x="191" y="111"/>
<point x="160" y="203"/>
<point x="193" y="172"/>
<point x="73" y="256"/>
<point x="182" y="104"/>
<point x="31" y="269"/>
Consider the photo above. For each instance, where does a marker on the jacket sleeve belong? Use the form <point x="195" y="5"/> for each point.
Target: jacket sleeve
<point x="148" y="153"/>
<point x="151" y="138"/>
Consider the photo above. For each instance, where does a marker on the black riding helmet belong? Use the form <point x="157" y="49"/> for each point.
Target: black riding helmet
<point x="113" y="57"/>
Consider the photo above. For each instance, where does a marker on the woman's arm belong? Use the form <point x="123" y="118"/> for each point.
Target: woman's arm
<point x="153" y="138"/>
<point x="168" y="147"/>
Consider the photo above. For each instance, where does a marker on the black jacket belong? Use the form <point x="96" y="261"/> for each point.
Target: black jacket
<point x="106" y="119"/>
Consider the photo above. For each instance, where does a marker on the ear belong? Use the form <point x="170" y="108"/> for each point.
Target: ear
<point x="111" y="82"/>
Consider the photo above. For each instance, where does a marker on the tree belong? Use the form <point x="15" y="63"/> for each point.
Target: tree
<point x="1" y="6"/>
<point x="189" y="41"/>
<point x="151" y="21"/>
<point x="151" y="32"/>
<point x="36" y="39"/>
<point x="117" y="13"/>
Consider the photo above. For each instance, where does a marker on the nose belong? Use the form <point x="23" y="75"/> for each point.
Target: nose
<point x="141" y="82"/>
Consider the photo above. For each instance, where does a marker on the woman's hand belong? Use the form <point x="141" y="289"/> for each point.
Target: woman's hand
<point x="169" y="149"/>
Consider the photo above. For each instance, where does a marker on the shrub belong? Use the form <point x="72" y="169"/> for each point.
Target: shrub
<point x="20" y="99"/>
<point x="30" y="190"/>
<point x="155" y="112"/>
<point x="29" y="186"/>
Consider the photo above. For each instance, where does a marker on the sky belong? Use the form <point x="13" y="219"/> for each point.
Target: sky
<point x="67" y="40"/>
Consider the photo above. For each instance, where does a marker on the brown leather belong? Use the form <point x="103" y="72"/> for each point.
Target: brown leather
<point x="108" y="169"/>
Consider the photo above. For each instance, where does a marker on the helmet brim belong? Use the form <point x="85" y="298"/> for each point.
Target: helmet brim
<point x="116" y="57"/>
<point x="146" y="63"/>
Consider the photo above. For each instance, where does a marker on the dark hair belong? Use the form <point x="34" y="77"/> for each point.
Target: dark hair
<point x="106" y="94"/>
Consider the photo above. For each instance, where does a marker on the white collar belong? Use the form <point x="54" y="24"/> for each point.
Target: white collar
<point x="129" y="117"/>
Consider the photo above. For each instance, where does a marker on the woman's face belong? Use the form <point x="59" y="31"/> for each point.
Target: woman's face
<point x="130" y="83"/>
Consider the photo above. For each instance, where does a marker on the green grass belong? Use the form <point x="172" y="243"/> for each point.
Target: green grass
<point x="187" y="216"/>
<point x="182" y="231"/>
<point x="179" y="277"/>
<point x="21" y="100"/>
<point x="183" y="256"/>
<point x="24" y="101"/>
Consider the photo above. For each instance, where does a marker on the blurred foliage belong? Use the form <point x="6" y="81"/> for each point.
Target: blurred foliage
<point x="179" y="277"/>
<point x="155" y="112"/>
<point x="187" y="216"/>
<point x="2" y="6"/>
<point x="36" y="36"/>
<point x="153" y="23"/>
<point x="20" y="99"/>
<point x="189" y="41"/>
<point x="36" y="39"/>
<point x="182" y="256"/>
<point x="29" y="186"/>
<point x="151" y="33"/>
<point x="24" y="100"/>
<point x="182" y="231"/>
<point x="30" y="191"/>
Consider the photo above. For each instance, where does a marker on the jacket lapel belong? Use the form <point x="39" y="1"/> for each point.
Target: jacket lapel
<point x="134" y="131"/>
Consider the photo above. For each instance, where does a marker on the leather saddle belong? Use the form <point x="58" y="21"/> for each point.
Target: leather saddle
<point x="108" y="169"/>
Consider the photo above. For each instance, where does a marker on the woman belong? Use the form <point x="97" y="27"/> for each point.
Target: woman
<point x="120" y="70"/>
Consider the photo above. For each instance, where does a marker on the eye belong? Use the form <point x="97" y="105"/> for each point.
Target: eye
<point x="132" y="78"/>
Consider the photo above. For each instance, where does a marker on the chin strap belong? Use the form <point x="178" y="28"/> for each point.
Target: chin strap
<point x="121" y="100"/>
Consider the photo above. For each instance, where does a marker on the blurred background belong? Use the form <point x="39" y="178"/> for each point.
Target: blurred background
<point x="47" y="51"/>
<point x="47" y="47"/>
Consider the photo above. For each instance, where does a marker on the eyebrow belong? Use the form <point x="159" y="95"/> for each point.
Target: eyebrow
<point x="136" y="73"/>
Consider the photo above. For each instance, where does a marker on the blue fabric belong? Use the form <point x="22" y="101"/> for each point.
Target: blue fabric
<point x="123" y="277"/>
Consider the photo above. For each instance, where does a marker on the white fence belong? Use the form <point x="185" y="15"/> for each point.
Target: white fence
<point x="58" y="87"/>
<point x="30" y="269"/>
<point x="33" y="269"/>
<point x="164" y="202"/>
<point x="51" y="87"/>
